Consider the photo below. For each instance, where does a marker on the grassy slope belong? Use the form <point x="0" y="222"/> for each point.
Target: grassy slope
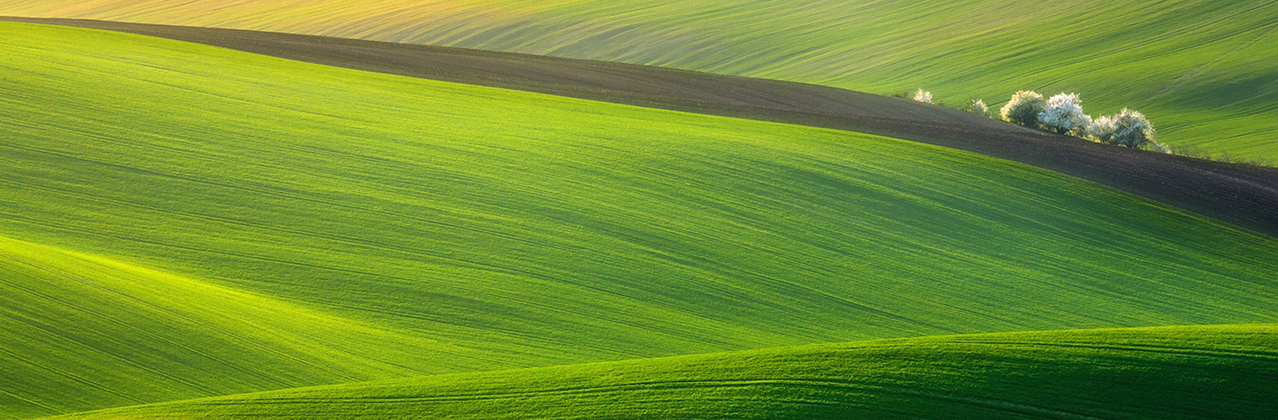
<point x="496" y="228"/>
<point x="1155" y="374"/>
<point x="83" y="332"/>
<point x="1203" y="70"/>
<point x="1245" y="195"/>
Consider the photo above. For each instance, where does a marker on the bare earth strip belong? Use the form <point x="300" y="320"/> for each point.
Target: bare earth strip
<point x="1244" y="195"/>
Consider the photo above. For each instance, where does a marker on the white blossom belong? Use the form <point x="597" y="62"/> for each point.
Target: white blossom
<point x="1063" y="114"/>
<point x="1024" y="108"/>
<point x="923" y="96"/>
<point x="1127" y="128"/>
<point x="977" y="106"/>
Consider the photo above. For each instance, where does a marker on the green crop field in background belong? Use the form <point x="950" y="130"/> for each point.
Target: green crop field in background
<point x="181" y="221"/>
<point x="1146" y="374"/>
<point x="1203" y="70"/>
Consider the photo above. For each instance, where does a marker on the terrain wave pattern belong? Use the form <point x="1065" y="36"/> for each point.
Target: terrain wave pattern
<point x="1140" y="374"/>
<point x="1203" y="70"/>
<point x="491" y="228"/>
<point x="1243" y="195"/>
<point x="84" y="332"/>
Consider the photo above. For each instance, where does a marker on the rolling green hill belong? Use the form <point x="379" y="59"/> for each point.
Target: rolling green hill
<point x="1202" y="69"/>
<point x="351" y="225"/>
<point x="83" y="332"/>
<point x="1154" y="374"/>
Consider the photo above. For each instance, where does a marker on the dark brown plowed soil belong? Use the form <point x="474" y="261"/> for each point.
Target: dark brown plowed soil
<point x="1244" y="195"/>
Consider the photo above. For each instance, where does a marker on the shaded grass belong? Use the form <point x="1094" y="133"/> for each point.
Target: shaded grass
<point x="1202" y="70"/>
<point x="1156" y="373"/>
<point x="474" y="228"/>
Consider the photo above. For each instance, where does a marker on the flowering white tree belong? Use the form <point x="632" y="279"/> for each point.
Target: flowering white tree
<point x="1024" y="108"/>
<point x="923" y="96"/>
<point x="977" y="106"/>
<point x="1063" y="114"/>
<point x="1127" y="128"/>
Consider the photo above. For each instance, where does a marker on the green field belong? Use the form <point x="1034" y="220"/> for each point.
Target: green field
<point x="1201" y="69"/>
<point x="1154" y="374"/>
<point x="82" y="332"/>
<point x="181" y="221"/>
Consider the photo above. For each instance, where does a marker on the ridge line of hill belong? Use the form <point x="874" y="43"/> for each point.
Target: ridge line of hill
<point x="1246" y="196"/>
<point x="183" y="330"/>
<point x="499" y="228"/>
<point x="1032" y="374"/>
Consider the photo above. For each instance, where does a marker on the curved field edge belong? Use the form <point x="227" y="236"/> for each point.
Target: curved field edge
<point x="1201" y="69"/>
<point x="515" y="227"/>
<point x="83" y="332"/>
<point x="1240" y="194"/>
<point x="1144" y="373"/>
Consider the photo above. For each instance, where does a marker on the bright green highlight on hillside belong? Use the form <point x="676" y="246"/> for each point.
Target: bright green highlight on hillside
<point x="1152" y="373"/>
<point x="83" y="332"/>
<point x="1203" y="70"/>
<point x="471" y="228"/>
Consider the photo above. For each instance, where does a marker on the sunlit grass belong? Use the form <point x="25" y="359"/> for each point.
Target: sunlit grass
<point x="369" y="226"/>
<point x="1138" y="374"/>
<point x="1202" y="70"/>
